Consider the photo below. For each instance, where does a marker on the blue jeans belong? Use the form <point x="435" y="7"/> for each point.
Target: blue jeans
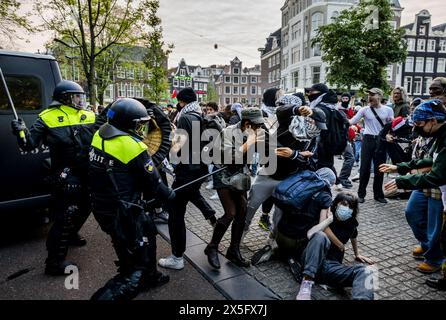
<point x="333" y="273"/>
<point x="358" y="144"/>
<point x="424" y="216"/>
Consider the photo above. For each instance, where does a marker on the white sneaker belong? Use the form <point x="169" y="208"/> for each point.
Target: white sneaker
<point x="172" y="262"/>
<point x="355" y="178"/>
<point x="338" y="187"/>
<point x="214" y="196"/>
<point x="305" y="290"/>
<point x="210" y="185"/>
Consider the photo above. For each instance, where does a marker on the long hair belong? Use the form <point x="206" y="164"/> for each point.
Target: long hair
<point x="350" y="199"/>
<point x="403" y="93"/>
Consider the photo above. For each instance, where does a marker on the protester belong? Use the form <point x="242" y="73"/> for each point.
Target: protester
<point x="236" y="110"/>
<point x="400" y="104"/>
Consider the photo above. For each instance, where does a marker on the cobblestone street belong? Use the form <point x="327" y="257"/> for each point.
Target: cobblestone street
<point x="384" y="236"/>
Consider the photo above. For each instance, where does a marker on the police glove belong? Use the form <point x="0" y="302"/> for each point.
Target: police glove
<point x="17" y="126"/>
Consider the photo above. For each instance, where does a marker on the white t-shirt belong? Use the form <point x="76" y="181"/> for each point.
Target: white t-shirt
<point x="372" y="125"/>
<point x="443" y="196"/>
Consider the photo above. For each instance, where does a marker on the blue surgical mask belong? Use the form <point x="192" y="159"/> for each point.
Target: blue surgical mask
<point x="343" y="213"/>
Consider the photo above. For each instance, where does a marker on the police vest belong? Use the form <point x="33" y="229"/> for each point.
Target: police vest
<point x="63" y="116"/>
<point x="124" y="148"/>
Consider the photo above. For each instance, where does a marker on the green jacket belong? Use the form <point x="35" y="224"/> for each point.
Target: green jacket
<point x="436" y="159"/>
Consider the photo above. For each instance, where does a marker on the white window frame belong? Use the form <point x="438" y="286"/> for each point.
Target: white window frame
<point x="244" y="79"/>
<point x="442" y="45"/>
<point x="427" y="83"/>
<point x="228" y="90"/>
<point x="431" y="45"/>
<point x="182" y="72"/>
<point x="417" y="91"/>
<point x="253" y="79"/>
<point x="419" y="64"/>
<point x="238" y="80"/>
<point x="122" y="90"/>
<point x="317" y="20"/>
<point x="408" y="84"/>
<point x="421" y="45"/>
<point x="120" y="72"/>
<point x="253" y="92"/>
<point x="227" y="78"/>
<point x="430" y="65"/>
<point x="441" y="65"/>
<point x="130" y="73"/>
<point x="235" y="90"/>
<point x="409" y="64"/>
<point x="176" y="83"/>
<point x="243" y="91"/>
<point x="313" y="73"/>
<point x="295" y="78"/>
<point x="411" y="44"/>
<point x="236" y="71"/>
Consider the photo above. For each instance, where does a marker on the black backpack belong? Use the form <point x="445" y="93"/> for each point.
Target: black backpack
<point x="336" y="137"/>
<point x="208" y="123"/>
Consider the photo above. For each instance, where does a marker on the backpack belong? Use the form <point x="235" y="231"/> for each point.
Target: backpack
<point x="296" y="191"/>
<point x="208" y="123"/>
<point x="335" y="138"/>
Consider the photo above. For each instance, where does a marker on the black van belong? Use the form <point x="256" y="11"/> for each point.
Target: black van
<point x="31" y="79"/>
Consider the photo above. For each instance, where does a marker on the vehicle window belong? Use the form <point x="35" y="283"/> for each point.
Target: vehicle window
<point x="26" y="93"/>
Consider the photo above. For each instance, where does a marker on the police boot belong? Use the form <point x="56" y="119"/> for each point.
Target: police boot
<point x="121" y="287"/>
<point x="56" y="267"/>
<point x="154" y="280"/>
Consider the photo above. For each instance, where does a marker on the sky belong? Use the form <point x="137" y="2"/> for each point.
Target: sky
<point x="238" y="27"/>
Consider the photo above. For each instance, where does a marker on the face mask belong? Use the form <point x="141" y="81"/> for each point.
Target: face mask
<point x="343" y="213"/>
<point x="313" y="96"/>
<point x="344" y="104"/>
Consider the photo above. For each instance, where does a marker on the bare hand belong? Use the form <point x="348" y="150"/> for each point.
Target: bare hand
<point x="305" y="111"/>
<point x="306" y="154"/>
<point x="391" y="187"/>
<point x="364" y="259"/>
<point x="389" y="138"/>
<point x="388" y="168"/>
<point x="284" y="152"/>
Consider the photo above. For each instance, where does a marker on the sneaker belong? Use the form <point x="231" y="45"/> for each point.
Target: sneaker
<point x="264" y="222"/>
<point x="162" y="217"/>
<point x="172" y="262"/>
<point x="210" y="185"/>
<point x="262" y="255"/>
<point x="338" y="187"/>
<point x="356" y="178"/>
<point x="305" y="290"/>
<point x="439" y="284"/>
<point x="214" y="196"/>
<point x="347" y="186"/>
<point x="425" y="267"/>
<point x="418" y="253"/>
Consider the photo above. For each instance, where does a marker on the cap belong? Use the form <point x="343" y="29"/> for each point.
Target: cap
<point x="318" y="87"/>
<point x="253" y="114"/>
<point x="320" y="118"/>
<point x="376" y="91"/>
<point x="328" y="175"/>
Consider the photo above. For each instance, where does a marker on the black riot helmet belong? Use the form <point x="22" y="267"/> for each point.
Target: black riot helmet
<point x="128" y="115"/>
<point x="69" y="93"/>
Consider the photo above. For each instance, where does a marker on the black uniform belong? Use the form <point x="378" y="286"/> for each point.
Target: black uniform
<point x="67" y="132"/>
<point x="120" y="170"/>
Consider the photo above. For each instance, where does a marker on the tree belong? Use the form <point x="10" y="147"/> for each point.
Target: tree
<point x="10" y="20"/>
<point x="357" y="51"/>
<point x="94" y="27"/>
<point x="212" y="92"/>
<point x="157" y="55"/>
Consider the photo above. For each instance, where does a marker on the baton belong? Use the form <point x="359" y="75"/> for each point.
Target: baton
<point x="192" y="182"/>
<point x="21" y="133"/>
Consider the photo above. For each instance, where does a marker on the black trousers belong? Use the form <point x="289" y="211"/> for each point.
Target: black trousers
<point x="371" y="151"/>
<point x="177" y="211"/>
<point x="325" y="159"/>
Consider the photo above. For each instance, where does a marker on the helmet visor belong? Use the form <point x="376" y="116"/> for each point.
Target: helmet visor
<point x="79" y="101"/>
<point x="142" y="128"/>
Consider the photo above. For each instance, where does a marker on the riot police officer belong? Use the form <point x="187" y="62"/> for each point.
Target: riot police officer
<point x="121" y="169"/>
<point x="66" y="127"/>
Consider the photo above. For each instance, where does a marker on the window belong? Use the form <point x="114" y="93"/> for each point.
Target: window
<point x="120" y="72"/>
<point x="253" y="79"/>
<point x="244" y="100"/>
<point x="205" y="86"/>
<point x="422" y="31"/>
<point x="285" y="38"/>
<point x="442" y="45"/>
<point x="26" y="92"/>
<point x="242" y="90"/>
<point x="409" y="64"/>
<point x="253" y="90"/>
<point x="427" y="84"/>
<point x="419" y="65"/>
<point x="195" y="85"/>
<point x="441" y="65"/>
<point x="130" y="73"/>
<point x="182" y="72"/>
<point x="236" y="71"/>
<point x="227" y="90"/>
<point x="108" y="94"/>
<point x="408" y="84"/>
<point x="244" y="79"/>
<point x="295" y="55"/>
<point x="296" y="79"/>
<point x="188" y="83"/>
<point x="317" y="50"/>
<point x="76" y="74"/>
<point x="235" y="90"/>
<point x="235" y="79"/>
<point x="121" y="89"/>
<point x="431" y="45"/>
<point x="429" y="64"/>
<point x="317" y="20"/>
<point x="269" y="77"/>
<point x="138" y="91"/>
<point x="296" y="31"/>
<point x="316" y="71"/>
<point x="235" y="100"/>
<point x="389" y="72"/>
<point x="182" y="84"/>
<point x="270" y="62"/>
<point x="175" y="82"/>
<point x="417" y="85"/>
<point x="411" y="44"/>
<point x="421" y="45"/>
<point x="285" y="61"/>
<point x="227" y="100"/>
<point x="228" y="79"/>
<point x="130" y="90"/>
<point x="334" y="15"/>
